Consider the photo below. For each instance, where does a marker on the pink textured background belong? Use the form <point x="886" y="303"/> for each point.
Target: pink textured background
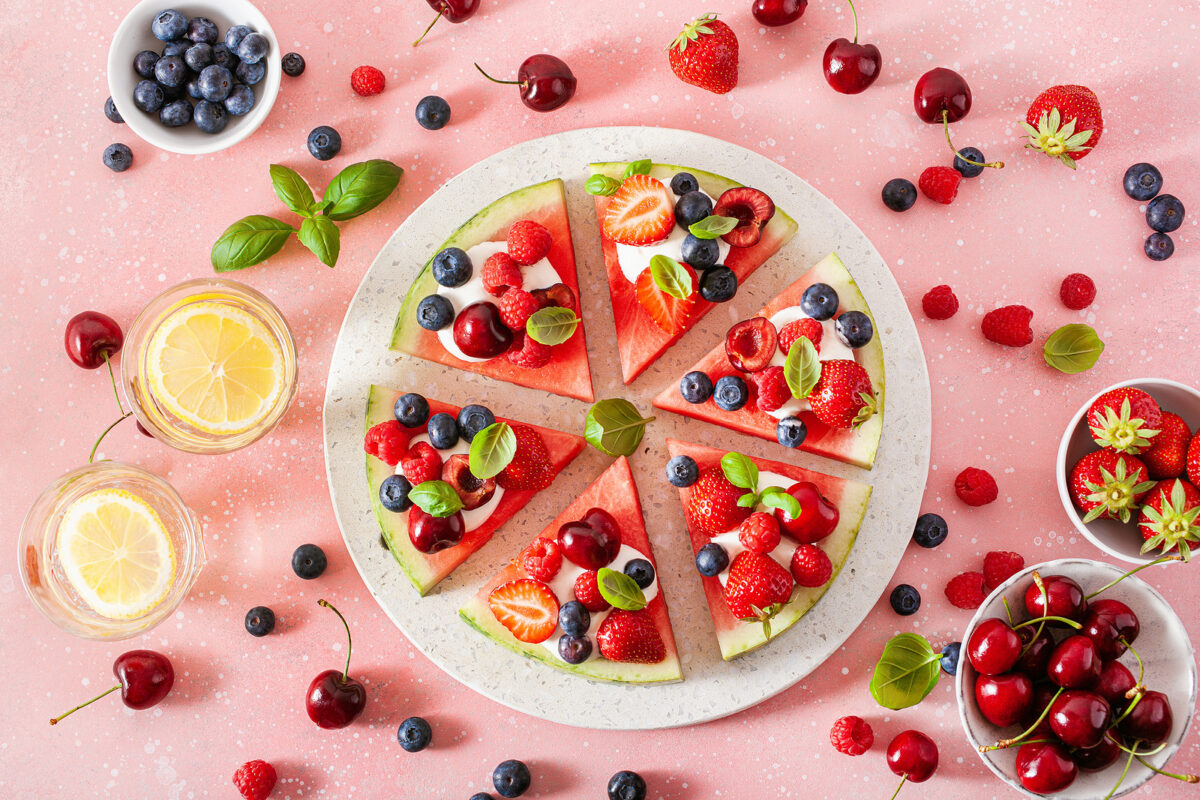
<point x="78" y="236"/>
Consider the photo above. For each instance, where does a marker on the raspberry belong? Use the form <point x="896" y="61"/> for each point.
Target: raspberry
<point x="966" y="590"/>
<point x="421" y="463"/>
<point x="773" y="390"/>
<point x="940" y="184"/>
<point x="811" y="567"/>
<point x="1008" y="325"/>
<point x="852" y="736"/>
<point x="1077" y="291"/>
<point x="387" y="442"/>
<point x="528" y="242"/>
<point x="759" y="532"/>
<point x="527" y="353"/>
<point x="806" y="327"/>
<point x="975" y="487"/>
<point x="516" y="307"/>
<point x="587" y="591"/>
<point x="255" y="779"/>
<point x="500" y="273"/>
<point x="940" y="302"/>
<point x="999" y="566"/>
<point x="542" y="559"/>
<point x="367" y="81"/>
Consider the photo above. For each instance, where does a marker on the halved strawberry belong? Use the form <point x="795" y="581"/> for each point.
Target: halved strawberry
<point x="527" y="607"/>
<point x="641" y="212"/>
<point x="751" y="208"/>
<point x="669" y="313"/>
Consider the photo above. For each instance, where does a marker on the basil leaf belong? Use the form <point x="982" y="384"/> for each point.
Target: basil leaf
<point x="906" y="673"/>
<point x="249" y="241"/>
<point x="775" y="497"/>
<point x="1073" y="348"/>
<point x="712" y="226"/>
<point x="436" y="498"/>
<point x="748" y="500"/>
<point x="740" y="471"/>
<point x="492" y="450"/>
<point x="615" y="427"/>
<point x="551" y="325"/>
<point x="640" y="167"/>
<point x="670" y="276"/>
<point x="292" y="189"/>
<point x="602" y="185"/>
<point x="802" y="368"/>
<point x="620" y="590"/>
<point x="360" y="187"/>
<point x="320" y="235"/>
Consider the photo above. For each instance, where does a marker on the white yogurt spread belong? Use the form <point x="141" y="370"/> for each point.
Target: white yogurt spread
<point x="729" y="539"/>
<point x="831" y="348"/>
<point x="636" y="258"/>
<point x="474" y="517"/>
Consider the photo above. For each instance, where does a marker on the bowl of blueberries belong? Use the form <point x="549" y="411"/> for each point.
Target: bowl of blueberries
<point x="194" y="78"/>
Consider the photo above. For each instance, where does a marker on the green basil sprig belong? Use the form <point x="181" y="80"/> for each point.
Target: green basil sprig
<point x="614" y="427"/>
<point x="743" y="473"/>
<point x="492" y="449"/>
<point x="292" y="189"/>
<point x="712" y="226"/>
<point x="906" y="672"/>
<point x="1073" y="348"/>
<point x="248" y="241"/>
<point x="361" y="187"/>
<point x="436" y="498"/>
<point x="602" y="185"/>
<point x="620" y="590"/>
<point x="322" y="237"/>
<point x="551" y="325"/>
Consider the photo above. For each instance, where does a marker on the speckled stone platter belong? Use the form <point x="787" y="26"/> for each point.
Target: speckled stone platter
<point x="712" y="688"/>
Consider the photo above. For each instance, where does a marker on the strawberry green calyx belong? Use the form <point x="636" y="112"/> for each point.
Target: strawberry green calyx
<point x="1117" y="497"/>
<point x="764" y="616"/>
<point x="692" y="31"/>
<point x="869" y="408"/>
<point x="1122" y="432"/>
<point x="1056" y="139"/>
<point x="1174" y="526"/>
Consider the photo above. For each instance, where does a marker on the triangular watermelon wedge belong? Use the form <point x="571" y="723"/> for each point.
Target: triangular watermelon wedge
<point x="615" y="492"/>
<point x="639" y="341"/>
<point x="425" y="571"/>
<point x="735" y="637"/>
<point x="856" y="446"/>
<point x="567" y="373"/>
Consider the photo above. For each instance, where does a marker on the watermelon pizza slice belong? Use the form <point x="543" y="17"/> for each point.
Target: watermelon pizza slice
<point x="765" y="561"/>
<point x="806" y="371"/>
<point x="584" y="596"/>
<point x="422" y="456"/>
<point x="501" y="297"/>
<point x="676" y="241"/>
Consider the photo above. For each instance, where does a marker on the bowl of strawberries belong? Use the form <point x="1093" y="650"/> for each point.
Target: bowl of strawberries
<point x="1128" y="469"/>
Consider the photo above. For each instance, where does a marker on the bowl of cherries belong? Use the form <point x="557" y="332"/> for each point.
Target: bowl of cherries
<point x="1078" y="681"/>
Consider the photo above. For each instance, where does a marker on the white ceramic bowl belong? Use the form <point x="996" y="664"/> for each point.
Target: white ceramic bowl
<point x="1162" y="643"/>
<point x="1113" y="537"/>
<point x="134" y="35"/>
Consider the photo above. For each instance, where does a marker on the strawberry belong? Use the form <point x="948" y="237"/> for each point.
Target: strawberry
<point x="367" y="81"/>
<point x="1064" y="122"/>
<point x="542" y="559"/>
<point x="807" y="327"/>
<point x="529" y="242"/>
<point x="1168" y="518"/>
<point x="641" y="212"/>
<point x="1124" y="420"/>
<point x="587" y="591"/>
<point x="773" y="390"/>
<point x="670" y="313"/>
<point x="759" y="533"/>
<point x="1108" y="485"/>
<point x="843" y="397"/>
<point x="811" y="567"/>
<point x="630" y="637"/>
<point x="712" y="503"/>
<point x="757" y="588"/>
<point x="500" y="273"/>
<point x="705" y="54"/>
<point x="1193" y="460"/>
<point x="999" y="566"/>
<point x="388" y="442"/>
<point x="940" y="184"/>
<point x="1167" y="456"/>
<point x="530" y="468"/>
<point x="528" y="353"/>
<point x="516" y="307"/>
<point x="527" y="607"/>
<point x="421" y="463"/>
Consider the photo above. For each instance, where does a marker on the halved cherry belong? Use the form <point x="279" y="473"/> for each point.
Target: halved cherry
<point x="751" y="344"/>
<point x="559" y="295"/>
<point x="473" y="491"/>
<point x="751" y="208"/>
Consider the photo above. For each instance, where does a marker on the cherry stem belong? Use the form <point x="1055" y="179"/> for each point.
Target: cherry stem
<point x="1041" y="584"/>
<point x="427" y="30"/>
<point x="1152" y="768"/>
<point x="1007" y="611"/>
<point x="855" y="14"/>
<point x="1068" y="622"/>
<point x="1133" y="571"/>
<point x="124" y="416"/>
<point x="113" y="380"/>
<point x="946" y="128"/>
<point x="903" y="777"/>
<point x="1138" y="689"/>
<point x="1137" y="698"/>
<point x="1153" y="752"/>
<point x="1124" y="772"/>
<point x="1020" y="737"/>
<point x="497" y="80"/>
<point x="349" y="642"/>
<point x="58" y="719"/>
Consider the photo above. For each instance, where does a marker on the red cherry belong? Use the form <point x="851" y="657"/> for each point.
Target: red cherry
<point x="1075" y="664"/>
<point x="818" y="517"/>
<point x="1112" y="626"/>
<point x="546" y="82"/>
<point x="913" y="756"/>
<point x="452" y="10"/>
<point x="1094" y="759"/>
<point x="1036" y="656"/>
<point x="1080" y="719"/>
<point x="1150" y="721"/>
<point x="430" y="534"/>
<point x="1004" y="699"/>
<point x="334" y="699"/>
<point x="774" y="13"/>
<point x="471" y="490"/>
<point x="941" y="91"/>
<point x="994" y="647"/>
<point x="1115" y="682"/>
<point x="144" y="678"/>
<point x="1064" y="598"/>
<point x="479" y="333"/>
<point x="851" y="67"/>
<point x="92" y="338"/>
<point x="751" y="344"/>
<point x="1045" y="767"/>
<point x="593" y="541"/>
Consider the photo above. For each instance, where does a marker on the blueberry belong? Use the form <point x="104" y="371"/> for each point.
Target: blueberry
<point x="730" y="393"/>
<point x="110" y="111"/>
<point x="118" y="157"/>
<point x="1159" y="246"/>
<point x="949" y="660"/>
<point x="235" y="34"/>
<point x="683" y="183"/>
<point x="250" y="74"/>
<point x="443" y="431"/>
<point x="176" y="114"/>
<point x="393" y="493"/>
<point x="819" y="301"/>
<point x="173" y="92"/>
<point x="224" y="57"/>
<point x="324" y="143"/>
<point x="193" y="90"/>
<point x="930" y="530"/>
<point x="682" y="471"/>
<point x="433" y="113"/>
<point x="791" y="431"/>
<point x="472" y="419"/>
<point x="692" y="207"/>
<point x="169" y="25"/>
<point x="711" y="560"/>
<point x="202" y="29"/>
<point x="573" y="650"/>
<point x="308" y="561"/>
<point x="210" y="117"/>
<point x="854" y="328"/>
<point x="215" y="83"/>
<point x="171" y="71"/>
<point x="481" y="796"/>
<point x="411" y="410"/>
<point x="626" y="785"/>
<point x="414" y="734"/>
<point x="240" y="100"/>
<point x="641" y="570"/>
<point x="905" y="600"/>
<point x="511" y="778"/>
<point x="253" y="48"/>
<point x="696" y="387"/>
<point x="176" y="48"/>
<point x="148" y="96"/>
<point x="574" y="619"/>
<point x="718" y="284"/>
<point x="699" y="253"/>
<point x="1164" y="213"/>
<point x="198" y="56"/>
<point x="452" y="267"/>
<point x="966" y="169"/>
<point x="260" y="621"/>
<point x="293" y="65"/>
<point x="899" y="194"/>
<point x="143" y="63"/>
<point x="1143" y="181"/>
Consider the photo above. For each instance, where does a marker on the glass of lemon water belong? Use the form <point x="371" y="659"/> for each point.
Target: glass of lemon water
<point x="109" y="550"/>
<point x="209" y="366"/>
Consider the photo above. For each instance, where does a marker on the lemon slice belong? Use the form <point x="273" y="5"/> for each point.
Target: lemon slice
<point x="216" y="367"/>
<point x="116" y="553"/>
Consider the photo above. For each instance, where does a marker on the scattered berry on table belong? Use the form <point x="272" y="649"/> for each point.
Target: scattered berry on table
<point x="699" y="253"/>
<point x="472" y="419"/>
<point x="308" y="561"/>
<point x="940" y="302"/>
<point x="250" y="74"/>
<point x="110" y="111"/>
<point x="965" y="168"/>
<point x="641" y="570"/>
<point x="481" y="796"/>
<point x="1064" y="122"/>
<point x="1008" y="325"/>
<point x="542" y="559"/>
<point x="587" y="591"/>
<point x="975" y="487"/>
<point x="684" y="182"/>
<point x="235" y="35"/>
<point x="705" y="54"/>
<point x="367" y="81"/>
<point x="176" y="114"/>
<point x="791" y="431"/>
<point x="682" y="471"/>
<point x="433" y="112"/>
<point x="626" y="785"/>
<point x="696" y="387"/>
<point x="1077" y="291"/>
<point x="759" y="533"/>
<point x="949" y="660"/>
<point x="324" y="142"/>
<point x="411" y="410"/>
<point x="711" y="560"/>
<point x="1164" y="213"/>
<point x="810" y="566"/>
<point x="516" y="307"/>
<point x="930" y="530"/>
<point x="260" y="621"/>
<point x="905" y="600"/>
<point x="293" y="65"/>
<point x="1167" y="456"/>
<point x="255" y="780"/>
<point x="819" y="301"/>
<point x="852" y="736"/>
<point x="528" y="242"/>
<point x="434" y="312"/>
<point x="692" y="207"/>
<point x="854" y="329"/>
<point x="965" y="590"/>
<point x="999" y="566"/>
<point x="529" y="353"/>
<point x="393" y="493"/>
<point x="253" y="48"/>
<point x="240" y="100"/>
<point x="1159" y="247"/>
<point x="1142" y="181"/>
<point x="511" y="778"/>
<point x="443" y="431"/>
<point x="899" y="194"/>
<point x="143" y="63"/>
<point x="169" y="25"/>
<point x="573" y="649"/>
<point x="414" y="734"/>
<point x="940" y="184"/>
<point x="118" y="157"/>
<point x="500" y="273"/>
<point x="452" y="267"/>
<point x="574" y="618"/>
<point x="730" y="393"/>
<point x="773" y="391"/>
